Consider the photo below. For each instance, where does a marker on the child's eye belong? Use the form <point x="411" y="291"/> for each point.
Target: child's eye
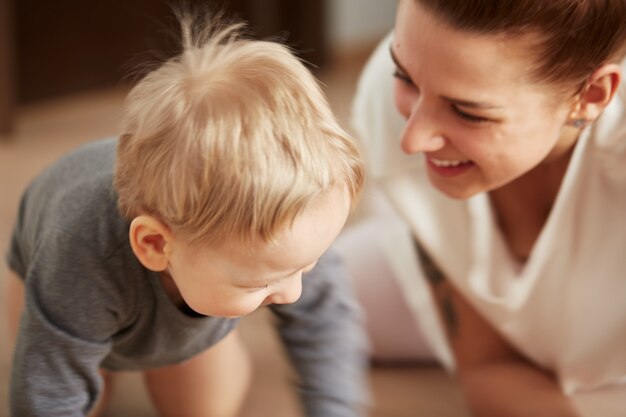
<point x="402" y="77"/>
<point x="467" y="116"/>
<point x="265" y="286"/>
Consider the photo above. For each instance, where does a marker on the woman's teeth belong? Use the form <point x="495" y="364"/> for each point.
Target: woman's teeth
<point x="449" y="163"/>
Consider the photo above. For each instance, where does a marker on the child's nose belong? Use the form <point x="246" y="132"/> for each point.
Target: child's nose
<point x="288" y="293"/>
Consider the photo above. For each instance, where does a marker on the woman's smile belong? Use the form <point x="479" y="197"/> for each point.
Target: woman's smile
<point x="449" y="167"/>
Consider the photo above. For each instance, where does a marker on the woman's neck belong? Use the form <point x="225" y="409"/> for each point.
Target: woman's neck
<point x="523" y="206"/>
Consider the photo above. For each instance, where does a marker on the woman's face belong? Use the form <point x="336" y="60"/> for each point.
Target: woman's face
<point x="470" y="106"/>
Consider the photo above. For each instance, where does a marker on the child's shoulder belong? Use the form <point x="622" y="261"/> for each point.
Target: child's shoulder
<point x="75" y="195"/>
<point x="78" y="172"/>
<point x="90" y="159"/>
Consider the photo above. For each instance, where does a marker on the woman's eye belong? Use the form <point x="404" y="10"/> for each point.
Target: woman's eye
<point x="468" y="117"/>
<point x="402" y="77"/>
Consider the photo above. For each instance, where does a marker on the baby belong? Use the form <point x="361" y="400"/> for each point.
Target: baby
<point x="228" y="184"/>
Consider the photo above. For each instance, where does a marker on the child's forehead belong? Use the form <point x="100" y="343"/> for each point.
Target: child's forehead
<point x="294" y="244"/>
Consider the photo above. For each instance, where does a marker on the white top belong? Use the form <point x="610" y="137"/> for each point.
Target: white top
<point x="566" y="307"/>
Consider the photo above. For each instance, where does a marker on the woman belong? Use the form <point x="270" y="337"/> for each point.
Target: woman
<point x="501" y="142"/>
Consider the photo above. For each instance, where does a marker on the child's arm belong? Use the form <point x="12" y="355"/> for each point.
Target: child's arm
<point x="325" y="338"/>
<point x="64" y="332"/>
<point x="54" y="373"/>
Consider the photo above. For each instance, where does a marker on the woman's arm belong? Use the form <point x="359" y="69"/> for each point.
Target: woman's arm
<point x="495" y="379"/>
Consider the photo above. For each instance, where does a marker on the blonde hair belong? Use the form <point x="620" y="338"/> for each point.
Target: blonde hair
<point x="232" y="138"/>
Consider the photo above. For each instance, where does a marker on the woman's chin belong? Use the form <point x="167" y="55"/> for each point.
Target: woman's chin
<point x="457" y="193"/>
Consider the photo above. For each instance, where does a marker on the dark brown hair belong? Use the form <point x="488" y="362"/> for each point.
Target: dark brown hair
<point x="577" y="36"/>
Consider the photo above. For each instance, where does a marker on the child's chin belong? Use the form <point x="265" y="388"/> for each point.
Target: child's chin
<point x="232" y="314"/>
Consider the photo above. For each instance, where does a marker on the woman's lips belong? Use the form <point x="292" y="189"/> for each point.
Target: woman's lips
<point x="449" y="167"/>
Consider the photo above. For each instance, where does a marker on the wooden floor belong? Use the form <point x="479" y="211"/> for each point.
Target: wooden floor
<point x="47" y="130"/>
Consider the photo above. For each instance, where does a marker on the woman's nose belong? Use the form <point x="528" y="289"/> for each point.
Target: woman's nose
<point x="421" y="133"/>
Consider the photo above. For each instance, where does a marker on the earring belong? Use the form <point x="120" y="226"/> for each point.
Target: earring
<point x="578" y="123"/>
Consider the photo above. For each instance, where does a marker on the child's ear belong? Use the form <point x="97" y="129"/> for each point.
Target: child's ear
<point x="151" y="242"/>
<point x="600" y="89"/>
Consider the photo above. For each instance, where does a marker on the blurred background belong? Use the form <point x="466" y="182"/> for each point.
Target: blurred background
<point x="49" y="49"/>
<point x="64" y="73"/>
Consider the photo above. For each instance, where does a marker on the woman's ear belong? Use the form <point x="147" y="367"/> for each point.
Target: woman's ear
<point x="151" y="242"/>
<point x="598" y="93"/>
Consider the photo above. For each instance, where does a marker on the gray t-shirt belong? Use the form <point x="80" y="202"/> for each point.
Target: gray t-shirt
<point x="91" y="304"/>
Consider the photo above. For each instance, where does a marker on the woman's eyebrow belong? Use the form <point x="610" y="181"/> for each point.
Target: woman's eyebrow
<point x="470" y="104"/>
